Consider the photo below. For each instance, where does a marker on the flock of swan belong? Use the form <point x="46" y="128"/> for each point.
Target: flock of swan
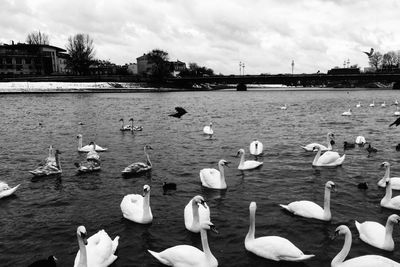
<point x="99" y="249"/>
<point x="372" y="105"/>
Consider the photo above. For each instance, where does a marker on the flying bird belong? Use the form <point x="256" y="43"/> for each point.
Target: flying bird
<point x="369" y="54"/>
<point x="179" y="112"/>
<point x="396" y="122"/>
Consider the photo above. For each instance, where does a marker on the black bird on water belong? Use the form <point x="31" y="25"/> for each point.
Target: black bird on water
<point x="363" y="185"/>
<point x="371" y="149"/>
<point x="347" y="145"/>
<point x="168" y="186"/>
<point x="398" y="147"/>
<point x="179" y="112"/>
<point x="49" y="262"/>
<point x="396" y="122"/>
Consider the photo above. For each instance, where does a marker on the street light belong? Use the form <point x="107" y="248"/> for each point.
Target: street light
<point x="292" y="65"/>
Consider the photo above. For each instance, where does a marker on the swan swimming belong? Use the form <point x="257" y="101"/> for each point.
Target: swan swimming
<point x="394" y="181"/>
<point x="208" y="130"/>
<point x="139" y="167"/>
<point x="347" y="113"/>
<point x="136" y="207"/>
<point x="330" y="137"/>
<point x="212" y="178"/>
<point x="126" y="127"/>
<point x="283" y="107"/>
<point x="87" y="148"/>
<point x="397" y="112"/>
<point x="51" y="159"/>
<point x="372" y="104"/>
<point x="6" y="190"/>
<point x="309" y="209"/>
<point x="271" y="247"/>
<point x="49" y="169"/>
<point x="328" y="159"/>
<point x="362" y="261"/>
<point x="383" y="104"/>
<point x="97" y="250"/>
<point x="377" y="235"/>
<point x="189" y="256"/>
<point x="248" y="164"/>
<point x="360" y="140"/>
<point x="196" y="212"/>
<point x="358" y="105"/>
<point x="256" y="148"/>
<point x="387" y="201"/>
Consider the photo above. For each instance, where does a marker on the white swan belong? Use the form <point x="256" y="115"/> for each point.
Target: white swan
<point x="376" y="234"/>
<point x="208" y="130"/>
<point x="347" y="113"/>
<point x="389" y="202"/>
<point x="362" y="261"/>
<point x="328" y="159"/>
<point x="358" y="105"/>
<point x="283" y="107"/>
<point x="372" y="104"/>
<point x="6" y="190"/>
<point x="92" y="154"/>
<point x="87" y="148"/>
<point x="97" y="250"/>
<point x="188" y="256"/>
<point x="397" y="112"/>
<point x="329" y="138"/>
<point x="396" y="102"/>
<point x="51" y="159"/>
<point x="128" y="127"/>
<point x="139" y="167"/>
<point x="383" y="104"/>
<point x="49" y="169"/>
<point x="271" y="247"/>
<point x="309" y="209"/>
<point x="136" y="207"/>
<point x="256" y="148"/>
<point x="394" y="181"/>
<point x="213" y="178"/>
<point x="248" y="164"/>
<point x="196" y="212"/>
<point x="360" y="140"/>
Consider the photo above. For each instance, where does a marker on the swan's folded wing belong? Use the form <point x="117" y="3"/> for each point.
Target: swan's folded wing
<point x="306" y="209"/>
<point x="210" y="178"/>
<point x="183" y="255"/>
<point x="372" y="233"/>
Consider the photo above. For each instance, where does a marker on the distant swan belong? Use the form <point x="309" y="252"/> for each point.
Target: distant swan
<point x="51" y="159"/>
<point x="394" y="181"/>
<point x="126" y="127"/>
<point x="309" y="209"/>
<point x="256" y="148"/>
<point x="372" y="104"/>
<point x="389" y="202"/>
<point x="397" y="112"/>
<point x="358" y="105"/>
<point x="396" y="102"/>
<point x="312" y="147"/>
<point x="376" y="234"/>
<point x="248" y="164"/>
<point x="284" y="107"/>
<point x="383" y="104"/>
<point x="196" y="212"/>
<point x="271" y="247"/>
<point x="362" y="261"/>
<point x="139" y="167"/>
<point x="185" y="255"/>
<point x="87" y="148"/>
<point x="360" y="140"/>
<point x="208" y="130"/>
<point x="212" y="178"/>
<point x="49" y="169"/>
<point x="136" y="207"/>
<point x="5" y="190"/>
<point x="328" y="159"/>
<point x="97" y="250"/>
<point x="347" y="113"/>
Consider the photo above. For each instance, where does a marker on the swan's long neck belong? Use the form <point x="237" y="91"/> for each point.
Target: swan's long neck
<point x="132" y="124"/>
<point x="328" y="140"/>
<point x="317" y="157"/>
<point x="58" y="165"/>
<point x="251" y="233"/>
<point x="50" y="151"/>
<point x="83" y="254"/>
<point x="327" y="203"/>
<point x="222" y="173"/>
<point x="241" y="159"/>
<point x="344" y="252"/>
<point x="388" y="233"/>
<point x="147" y="156"/>
<point x="195" y="211"/>
<point x="122" y="124"/>
<point x="388" y="194"/>
<point x="387" y="173"/>
<point x="79" y="142"/>
<point x="204" y="243"/>
<point x="146" y="205"/>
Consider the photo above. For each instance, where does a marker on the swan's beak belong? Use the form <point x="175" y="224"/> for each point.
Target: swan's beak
<point x="84" y="238"/>
<point x="214" y="229"/>
<point x="227" y="163"/>
<point x="333" y="188"/>
<point x="336" y="234"/>
<point x="203" y="203"/>
<point x="55" y="259"/>
<point x="332" y="142"/>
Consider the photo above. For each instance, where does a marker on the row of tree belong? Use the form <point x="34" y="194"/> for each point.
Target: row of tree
<point x="388" y="61"/>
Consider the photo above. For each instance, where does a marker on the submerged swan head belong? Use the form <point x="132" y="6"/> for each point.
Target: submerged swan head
<point x="331" y="186"/>
<point x="82" y="234"/>
<point x="146" y="190"/>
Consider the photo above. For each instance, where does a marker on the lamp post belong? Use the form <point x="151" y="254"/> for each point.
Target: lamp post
<point x="292" y="66"/>
<point x="241" y="68"/>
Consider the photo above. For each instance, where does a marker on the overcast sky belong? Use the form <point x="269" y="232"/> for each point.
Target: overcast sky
<point x="264" y="34"/>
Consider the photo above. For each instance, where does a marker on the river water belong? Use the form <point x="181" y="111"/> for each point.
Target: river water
<point x="41" y="219"/>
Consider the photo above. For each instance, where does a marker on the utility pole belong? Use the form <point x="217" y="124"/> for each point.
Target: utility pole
<point x="243" y="67"/>
<point x="292" y="66"/>
<point x="348" y="63"/>
<point x="240" y="67"/>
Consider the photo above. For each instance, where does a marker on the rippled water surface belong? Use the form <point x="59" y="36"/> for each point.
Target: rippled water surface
<point x="41" y="219"/>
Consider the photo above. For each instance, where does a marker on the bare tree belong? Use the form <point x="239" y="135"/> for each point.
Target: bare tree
<point x="37" y="38"/>
<point x="375" y="60"/>
<point x="389" y="60"/>
<point x="81" y="51"/>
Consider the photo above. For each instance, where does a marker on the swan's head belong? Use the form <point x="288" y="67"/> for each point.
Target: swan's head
<point x="316" y="148"/>
<point x="240" y="152"/>
<point x="210" y="123"/>
<point x="331" y="136"/>
<point x="253" y="207"/>
<point x="92" y="144"/>
<point x="82" y="234"/>
<point x="385" y="164"/>
<point x="341" y="230"/>
<point x="331" y="186"/>
<point x="79" y="136"/>
<point x="121" y="119"/>
<point x="148" y="147"/>
<point x="209" y="226"/>
<point x="199" y="200"/>
<point x="223" y="162"/>
<point x="394" y="218"/>
<point x="131" y="119"/>
<point x="58" y="152"/>
<point x="146" y="189"/>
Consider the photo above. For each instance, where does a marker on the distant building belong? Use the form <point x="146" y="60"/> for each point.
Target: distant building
<point x="132" y="68"/>
<point x="338" y="71"/>
<point x="144" y="67"/>
<point x="27" y="59"/>
<point x="177" y="66"/>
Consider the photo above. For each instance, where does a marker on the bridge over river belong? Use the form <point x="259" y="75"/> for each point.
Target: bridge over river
<point x="306" y="80"/>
